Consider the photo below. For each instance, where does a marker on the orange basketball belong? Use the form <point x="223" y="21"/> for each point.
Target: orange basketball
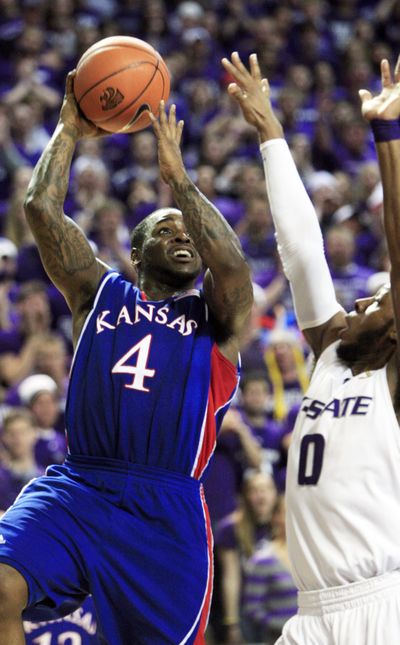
<point x="118" y="80"/>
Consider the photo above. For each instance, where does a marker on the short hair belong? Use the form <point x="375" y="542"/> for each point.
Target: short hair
<point x="139" y="232"/>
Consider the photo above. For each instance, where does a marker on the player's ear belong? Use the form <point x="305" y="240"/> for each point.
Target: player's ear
<point x="135" y="256"/>
<point x="393" y="335"/>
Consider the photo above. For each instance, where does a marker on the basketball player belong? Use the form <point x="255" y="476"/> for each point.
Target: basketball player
<point x="154" y="370"/>
<point x="343" y="483"/>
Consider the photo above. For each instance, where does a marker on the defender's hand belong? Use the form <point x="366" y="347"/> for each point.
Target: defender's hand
<point x="169" y="135"/>
<point x="252" y="93"/>
<point x="70" y="114"/>
<point x="386" y="105"/>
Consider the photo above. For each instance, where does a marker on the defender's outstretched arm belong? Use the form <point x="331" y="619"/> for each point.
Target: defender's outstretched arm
<point x="298" y="233"/>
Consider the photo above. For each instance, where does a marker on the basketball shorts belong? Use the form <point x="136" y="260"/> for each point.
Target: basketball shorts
<point x="137" y="538"/>
<point x="362" y="613"/>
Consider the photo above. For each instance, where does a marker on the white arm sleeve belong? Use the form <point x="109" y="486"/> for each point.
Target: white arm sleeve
<point x="299" y="237"/>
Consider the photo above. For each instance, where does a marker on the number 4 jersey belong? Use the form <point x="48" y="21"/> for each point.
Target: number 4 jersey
<point x="148" y="382"/>
<point x="343" y="482"/>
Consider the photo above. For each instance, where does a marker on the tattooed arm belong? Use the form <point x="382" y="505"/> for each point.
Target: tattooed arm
<point x="66" y="254"/>
<point x="227" y="284"/>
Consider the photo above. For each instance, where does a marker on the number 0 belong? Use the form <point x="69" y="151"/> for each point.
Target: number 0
<point x="311" y="457"/>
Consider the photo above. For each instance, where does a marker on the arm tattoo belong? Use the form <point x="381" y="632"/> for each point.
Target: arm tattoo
<point x="63" y="247"/>
<point x="204" y="222"/>
<point x="229" y="292"/>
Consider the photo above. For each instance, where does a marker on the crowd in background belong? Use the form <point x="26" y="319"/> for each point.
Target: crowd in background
<point x="316" y="54"/>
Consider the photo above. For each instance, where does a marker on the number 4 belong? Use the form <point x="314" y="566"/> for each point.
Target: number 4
<point x="140" y="370"/>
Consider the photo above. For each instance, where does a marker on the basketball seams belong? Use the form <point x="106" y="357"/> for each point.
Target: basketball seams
<point x="117" y="114"/>
<point x="117" y="71"/>
<point x="132" y="123"/>
<point x="108" y="102"/>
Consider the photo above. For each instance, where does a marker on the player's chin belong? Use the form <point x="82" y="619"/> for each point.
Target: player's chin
<point x="187" y="267"/>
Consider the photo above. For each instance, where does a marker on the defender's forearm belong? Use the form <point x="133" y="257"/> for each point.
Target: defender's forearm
<point x="214" y="239"/>
<point x="49" y="184"/>
<point x="389" y="164"/>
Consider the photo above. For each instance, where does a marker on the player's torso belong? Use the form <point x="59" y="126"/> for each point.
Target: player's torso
<point x="343" y="484"/>
<point x="141" y="379"/>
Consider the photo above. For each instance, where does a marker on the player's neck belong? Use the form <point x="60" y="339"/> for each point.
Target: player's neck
<point x="158" y="291"/>
<point x="369" y="364"/>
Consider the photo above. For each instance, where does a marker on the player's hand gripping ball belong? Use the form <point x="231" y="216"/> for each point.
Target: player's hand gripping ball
<point x="118" y="80"/>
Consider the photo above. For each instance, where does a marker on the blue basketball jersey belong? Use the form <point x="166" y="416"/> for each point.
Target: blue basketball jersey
<point x="148" y="383"/>
<point x="78" y="628"/>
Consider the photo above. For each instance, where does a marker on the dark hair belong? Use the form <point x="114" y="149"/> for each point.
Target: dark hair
<point x="138" y="234"/>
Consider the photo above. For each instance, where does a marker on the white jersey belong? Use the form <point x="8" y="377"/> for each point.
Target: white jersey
<point x="343" y="482"/>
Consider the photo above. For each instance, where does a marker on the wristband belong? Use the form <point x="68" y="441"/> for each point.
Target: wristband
<point x="385" y="131"/>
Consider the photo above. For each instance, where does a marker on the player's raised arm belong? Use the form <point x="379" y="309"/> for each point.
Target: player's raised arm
<point x="227" y="284"/>
<point x="66" y="254"/>
<point x="298" y="234"/>
<point x="383" y="112"/>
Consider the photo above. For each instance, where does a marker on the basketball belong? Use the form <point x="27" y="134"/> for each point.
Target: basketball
<point x="118" y="80"/>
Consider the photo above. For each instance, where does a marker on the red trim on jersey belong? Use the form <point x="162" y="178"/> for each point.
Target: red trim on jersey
<point x="200" y="640"/>
<point x="223" y="382"/>
<point x="143" y="296"/>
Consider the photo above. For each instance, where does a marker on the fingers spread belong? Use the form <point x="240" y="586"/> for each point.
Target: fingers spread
<point x="254" y="67"/>
<point x="234" y="90"/>
<point x="397" y="70"/>
<point x="179" y="131"/>
<point x="69" y="85"/>
<point x="364" y="95"/>
<point x="386" y="77"/>
<point x="163" y="116"/>
<point x="172" y="116"/>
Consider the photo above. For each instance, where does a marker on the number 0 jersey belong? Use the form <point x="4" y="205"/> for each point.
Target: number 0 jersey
<point x="343" y="482"/>
<point x="148" y="382"/>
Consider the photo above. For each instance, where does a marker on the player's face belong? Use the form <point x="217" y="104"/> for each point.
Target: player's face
<point x="370" y="327"/>
<point x="168" y="250"/>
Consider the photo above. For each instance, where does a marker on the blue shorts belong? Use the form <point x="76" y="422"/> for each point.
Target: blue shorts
<point x="137" y="538"/>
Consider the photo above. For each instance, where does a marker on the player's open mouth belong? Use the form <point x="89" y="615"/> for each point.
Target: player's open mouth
<point x="183" y="254"/>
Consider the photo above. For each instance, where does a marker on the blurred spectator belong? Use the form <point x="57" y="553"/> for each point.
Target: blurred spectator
<point x="89" y="189"/>
<point x="53" y="359"/>
<point x="237" y="538"/>
<point x="270" y="595"/>
<point x="141" y="163"/>
<point x="19" y="345"/>
<point x="236" y="450"/>
<point x="28" y="132"/>
<point x="30" y="84"/>
<point x="257" y="239"/>
<point x="40" y="395"/>
<point x="15" y="225"/>
<point x="18" y="463"/>
<point x="10" y="160"/>
<point x="8" y="269"/>
<point x="257" y="408"/>
<point x="112" y="239"/>
<point x="206" y="182"/>
<point x="349" y="278"/>
<point x="287" y="372"/>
